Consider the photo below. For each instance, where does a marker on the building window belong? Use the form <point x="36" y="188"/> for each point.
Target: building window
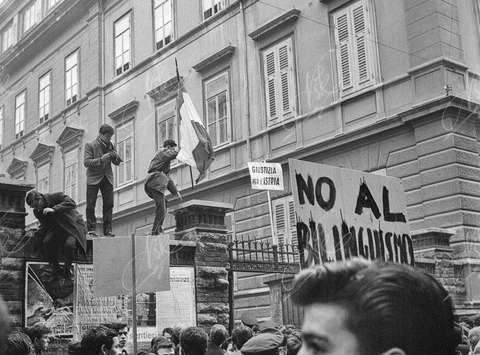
<point x="217" y="108"/>
<point x="284" y="222"/>
<point x="163" y="19"/>
<point x="166" y="122"/>
<point x="71" y="78"/>
<point x="7" y="36"/>
<point x="31" y="14"/>
<point x="43" y="178"/>
<point x="1" y="127"/>
<point x="212" y="7"/>
<point x="71" y="174"/>
<point x="124" y="136"/>
<point x="354" y="47"/>
<point x="20" y="114"/>
<point x="279" y="77"/>
<point x="44" y="98"/>
<point x="122" y="45"/>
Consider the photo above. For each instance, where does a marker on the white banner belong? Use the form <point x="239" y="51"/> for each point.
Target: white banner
<point x="266" y="176"/>
<point x="343" y="213"/>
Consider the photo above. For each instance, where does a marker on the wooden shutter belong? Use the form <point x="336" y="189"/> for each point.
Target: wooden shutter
<point x="279" y="220"/>
<point x="344" y="50"/>
<point x="38" y="11"/>
<point x="292" y="226"/>
<point x="270" y="83"/>
<point x="286" y="77"/>
<point x="360" y="29"/>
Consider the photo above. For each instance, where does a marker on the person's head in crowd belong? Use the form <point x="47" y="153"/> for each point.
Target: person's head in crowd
<point x="123" y="335"/>
<point x="167" y="333"/>
<point x="177" y="331"/>
<point x="19" y="343"/>
<point x="101" y="341"/>
<point x="193" y="341"/>
<point x="169" y="144"/>
<point x="106" y="132"/>
<point x="39" y="334"/>
<point x="294" y="343"/>
<point x="35" y="199"/>
<point x="362" y="308"/>
<point x="218" y="334"/>
<point x="473" y="338"/>
<point x="266" y="343"/>
<point x="161" y="346"/>
<point x="4" y="325"/>
<point x="240" y="335"/>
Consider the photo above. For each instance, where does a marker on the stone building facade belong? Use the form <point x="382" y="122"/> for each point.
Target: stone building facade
<point x="386" y="87"/>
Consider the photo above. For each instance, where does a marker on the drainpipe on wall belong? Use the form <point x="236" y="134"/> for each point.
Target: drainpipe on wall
<point x="101" y="35"/>
<point x="247" y="84"/>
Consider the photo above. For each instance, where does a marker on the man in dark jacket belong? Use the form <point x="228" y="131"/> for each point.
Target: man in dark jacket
<point x="158" y="180"/>
<point x="60" y="226"/>
<point x="98" y="159"/>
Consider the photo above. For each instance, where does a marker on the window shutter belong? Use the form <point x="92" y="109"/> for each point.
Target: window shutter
<point x="38" y="11"/>
<point x="344" y="50"/>
<point x="270" y="87"/>
<point x="360" y="30"/>
<point x="279" y="220"/>
<point x="285" y="59"/>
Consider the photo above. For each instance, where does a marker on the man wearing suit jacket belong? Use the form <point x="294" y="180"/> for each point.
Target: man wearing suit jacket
<point x="158" y="180"/>
<point x="99" y="156"/>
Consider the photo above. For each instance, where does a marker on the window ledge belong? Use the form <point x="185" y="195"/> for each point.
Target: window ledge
<point x="210" y="61"/>
<point x="125" y="186"/>
<point x="165" y="91"/>
<point x="282" y="20"/>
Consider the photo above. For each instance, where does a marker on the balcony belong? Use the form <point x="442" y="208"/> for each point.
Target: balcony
<point x="54" y="24"/>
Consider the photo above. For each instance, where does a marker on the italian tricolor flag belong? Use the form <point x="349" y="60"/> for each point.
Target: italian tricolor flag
<point x="196" y="147"/>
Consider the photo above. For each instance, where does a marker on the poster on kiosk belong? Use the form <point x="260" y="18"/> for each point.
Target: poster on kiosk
<point x="343" y="213"/>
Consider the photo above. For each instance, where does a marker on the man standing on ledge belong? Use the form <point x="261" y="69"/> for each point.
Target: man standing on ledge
<point x="158" y="180"/>
<point x="99" y="156"/>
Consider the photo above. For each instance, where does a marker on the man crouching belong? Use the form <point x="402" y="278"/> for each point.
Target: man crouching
<point x="61" y="226"/>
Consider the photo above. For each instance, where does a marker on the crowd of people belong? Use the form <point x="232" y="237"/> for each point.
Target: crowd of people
<point x="355" y="307"/>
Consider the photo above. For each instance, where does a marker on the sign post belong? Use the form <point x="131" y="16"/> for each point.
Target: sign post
<point x="343" y="213"/>
<point x="267" y="176"/>
<point x="134" y="297"/>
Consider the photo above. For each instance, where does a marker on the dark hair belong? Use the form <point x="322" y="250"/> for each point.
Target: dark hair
<point x="169" y="143"/>
<point x="19" y="344"/>
<point x="105" y="128"/>
<point x="176" y="335"/>
<point x="218" y="334"/>
<point x="160" y="342"/>
<point x="75" y="349"/>
<point x="167" y="330"/>
<point x="240" y="335"/>
<point x="387" y="305"/>
<point x="93" y="340"/>
<point x="30" y="197"/>
<point x="115" y="326"/>
<point x="37" y="331"/>
<point x="194" y="341"/>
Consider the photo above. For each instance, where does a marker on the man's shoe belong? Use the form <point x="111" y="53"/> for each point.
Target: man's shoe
<point x="108" y="234"/>
<point x="92" y="234"/>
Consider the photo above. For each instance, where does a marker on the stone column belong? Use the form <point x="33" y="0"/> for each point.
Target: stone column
<point x="204" y="222"/>
<point x="13" y="242"/>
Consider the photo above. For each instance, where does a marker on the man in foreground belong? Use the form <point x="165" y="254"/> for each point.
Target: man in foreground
<point x="39" y="335"/>
<point x="158" y="181"/>
<point x="363" y="308"/>
<point x="193" y="341"/>
<point x="61" y="226"/>
<point x="99" y="157"/>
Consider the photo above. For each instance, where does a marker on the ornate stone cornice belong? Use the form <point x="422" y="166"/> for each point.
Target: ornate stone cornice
<point x="125" y="110"/>
<point x="42" y="152"/>
<point x="213" y="59"/>
<point x="17" y="166"/>
<point x="273" y="25"/>
<point x="166" y="90"/>
<point x="70" y="136"/>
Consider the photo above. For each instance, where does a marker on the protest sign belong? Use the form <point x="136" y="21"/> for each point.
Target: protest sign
<point x="112" y="260"/>
<point x="266" y="176"/>
<point x="342" y="213"/>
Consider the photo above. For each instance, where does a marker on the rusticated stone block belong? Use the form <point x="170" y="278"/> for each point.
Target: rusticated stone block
<point x="212" y="308"/>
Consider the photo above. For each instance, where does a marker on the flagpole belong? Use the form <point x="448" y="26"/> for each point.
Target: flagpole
<point x="178" y="114"/>
<point x="134" y="297"/>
